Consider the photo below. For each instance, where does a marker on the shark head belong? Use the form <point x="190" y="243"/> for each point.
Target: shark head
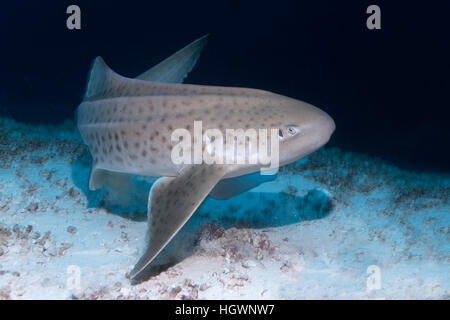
<point x="304" y="129"/>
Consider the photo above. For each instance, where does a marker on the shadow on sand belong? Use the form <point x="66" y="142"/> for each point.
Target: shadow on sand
<point x="247" y="210"/>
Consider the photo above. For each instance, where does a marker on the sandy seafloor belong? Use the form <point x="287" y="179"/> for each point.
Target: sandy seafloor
<point x="335" y="225"/>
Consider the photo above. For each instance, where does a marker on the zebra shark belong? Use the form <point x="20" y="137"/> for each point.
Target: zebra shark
<point x="127" y="124"/>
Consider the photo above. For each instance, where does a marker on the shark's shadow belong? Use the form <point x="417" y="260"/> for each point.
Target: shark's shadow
<point x="250" y="209"/>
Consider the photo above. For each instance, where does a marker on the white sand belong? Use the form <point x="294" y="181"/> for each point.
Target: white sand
<point x="318" y="231"/>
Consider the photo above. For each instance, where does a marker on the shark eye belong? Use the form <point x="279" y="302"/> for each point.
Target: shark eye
<point x="292" y="131"/>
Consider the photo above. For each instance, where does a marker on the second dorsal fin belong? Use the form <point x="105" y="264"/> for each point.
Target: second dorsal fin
<point x="101" y="79"/>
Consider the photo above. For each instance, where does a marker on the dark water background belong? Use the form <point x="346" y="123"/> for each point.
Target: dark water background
<point x="388" y="90"/>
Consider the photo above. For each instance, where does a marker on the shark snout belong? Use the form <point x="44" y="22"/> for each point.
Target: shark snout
<point x="328" y="124"/>
<point x="314" y="127"/>
<point x="324" y="127"/>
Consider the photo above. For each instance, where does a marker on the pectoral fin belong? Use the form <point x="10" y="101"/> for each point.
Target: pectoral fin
<point x="172" y="201"/>
<point x="99" y="177"/>
<point x="96" y="179"/>
<point x="231" y="187"/>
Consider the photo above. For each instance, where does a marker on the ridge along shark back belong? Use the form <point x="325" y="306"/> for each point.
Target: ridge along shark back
<point x="128" y="125"/>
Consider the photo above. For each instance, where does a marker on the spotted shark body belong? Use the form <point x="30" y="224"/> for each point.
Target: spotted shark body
<point x="128" y="125"/>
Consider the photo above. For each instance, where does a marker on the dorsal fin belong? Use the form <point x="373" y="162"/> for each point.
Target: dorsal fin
<point x="175" y="68"/>
<point x="104" y="83"/>
<point x="101" y="79"/>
